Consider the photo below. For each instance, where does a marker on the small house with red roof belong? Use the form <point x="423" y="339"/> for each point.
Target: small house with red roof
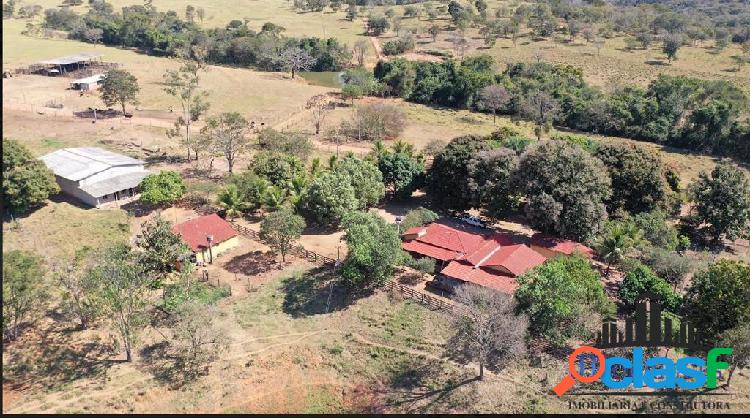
<point x="553" y="247"/>
<point x="207" y="236"/>
<point x="492" y="261"/>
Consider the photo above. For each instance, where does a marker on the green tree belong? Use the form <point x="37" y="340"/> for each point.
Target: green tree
<point x="671" y="266"/>
<point x="364" y="177"/>
<point x="184" y="85"/>
<point x="640" y="279"/>
<point x="542" y="108"/>
<point x="277" y="168"/>
<point x="638" y="183"/>
<point x="251" y="188"/>
<point x="163" y="188"/>
<point x="447" y="179"/>
<point x="722" y="200"/>
<point x="281" y="229"/>
<point x="377" y="25"/>
<point x="489" y="181"/>
<point x="617" y="242"/>
<point x="373" y="249"/>
<point x="564" y="298"/>
<point x="23" y="289"/>
<point x="418" y="217"/>
<point x="329" y="197"/>
<point x="402" y="173"/>
<point x="565" y="189"/>
<point x="119" y="87"/>
<point x="232" y="200"/>
<point x="27" y="182"/>
<point x="739" y="339"/>
<point x="160" y="248"/>
<point x="124" y="282"/>
<point x="719" y="298"/>
<point x="657" y="230"/>
<point x="672" y="44"/>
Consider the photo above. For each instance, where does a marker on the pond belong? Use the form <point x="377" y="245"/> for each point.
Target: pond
<point x="323" y="78"/>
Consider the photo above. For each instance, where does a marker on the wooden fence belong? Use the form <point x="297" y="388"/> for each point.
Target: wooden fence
<point x="420" y="296"/>
<point x="406" y="291"/>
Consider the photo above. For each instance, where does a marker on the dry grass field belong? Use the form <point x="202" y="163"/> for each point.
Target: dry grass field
<point x="289" y="349"/>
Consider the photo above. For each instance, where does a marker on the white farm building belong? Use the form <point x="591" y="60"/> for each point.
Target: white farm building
<point x="96" y="176"/>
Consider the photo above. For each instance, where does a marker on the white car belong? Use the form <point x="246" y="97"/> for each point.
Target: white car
<point x="472" y="220"/>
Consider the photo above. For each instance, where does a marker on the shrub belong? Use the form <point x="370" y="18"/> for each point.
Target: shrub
<point x="163" y="188"/>
<point x="640" y="279"/>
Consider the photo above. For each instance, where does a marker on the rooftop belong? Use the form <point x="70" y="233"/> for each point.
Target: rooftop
<point x="88" y="80"/>
<point x="79" y="163"/>
<point x="195" y="231"/>
<point x="71" y="59"/>
<point x="560" y="245"/>
<point x="468" y="273"/>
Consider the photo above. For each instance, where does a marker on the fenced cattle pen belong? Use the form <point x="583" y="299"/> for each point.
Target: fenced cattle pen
<point x="408" y="292"/>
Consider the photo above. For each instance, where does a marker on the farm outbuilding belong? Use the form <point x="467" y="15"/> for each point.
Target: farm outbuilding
<point x="207" y="236"/>
<point x="68" y="63"/>
<point x="88" y="83"/>
<point x="96" y="176"/>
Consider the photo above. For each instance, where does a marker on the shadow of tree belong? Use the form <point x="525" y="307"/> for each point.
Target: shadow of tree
<point x="156" y="359"/>
<point x="427" y="386"/>
<point x="318" y="291"/>
<point x="48" y="358"/>
<point x="252" y="263"/>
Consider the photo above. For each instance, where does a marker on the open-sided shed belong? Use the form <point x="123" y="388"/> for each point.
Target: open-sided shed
<point x="61" y="65"/>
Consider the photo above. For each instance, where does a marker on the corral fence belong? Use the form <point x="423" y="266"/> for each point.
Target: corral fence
<point x="420" y="296"/>
<point x="406" y="291"/>
<point x="299" y="250"/>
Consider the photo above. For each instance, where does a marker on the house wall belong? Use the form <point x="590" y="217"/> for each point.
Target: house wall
<point x="203" y="256"/>
<point x="71" y="188"/>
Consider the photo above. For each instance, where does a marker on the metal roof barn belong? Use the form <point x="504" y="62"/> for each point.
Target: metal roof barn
<point x="72" y="59"/>
<point x="95" y="175"/>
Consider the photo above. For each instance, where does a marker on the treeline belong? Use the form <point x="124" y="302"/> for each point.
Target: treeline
<point x="167" y="34"/>
<point x="690" y="113"/>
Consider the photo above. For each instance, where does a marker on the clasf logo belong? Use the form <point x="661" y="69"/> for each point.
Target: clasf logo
<point x="658" y="373"/>
<point x="646" y="329"/>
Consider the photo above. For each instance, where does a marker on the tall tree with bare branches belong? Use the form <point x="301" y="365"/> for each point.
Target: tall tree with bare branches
<point x="184" y="84"/>
<point x="487" y="328"/>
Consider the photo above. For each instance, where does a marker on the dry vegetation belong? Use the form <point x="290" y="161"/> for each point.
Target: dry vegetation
<point x="286" y="353"/>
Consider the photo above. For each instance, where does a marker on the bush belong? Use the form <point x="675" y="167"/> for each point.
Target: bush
<point x="27" y="182"/>
<point x="178" y="294"/>
<point x="640" y="279"/>
<point x="398" y="46"/>
<point x="418" y="217"/>
<point x="423" y="265"/>
<point x="374" y="122"/>
<point x="163" y="188"/>
<point x="564" y="298"/>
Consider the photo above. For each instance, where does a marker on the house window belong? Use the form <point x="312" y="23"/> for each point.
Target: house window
<point x="105" y="196"/>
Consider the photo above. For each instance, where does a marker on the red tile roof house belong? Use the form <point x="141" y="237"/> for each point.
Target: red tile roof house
<point x="554" y="247"/>
<point x="196" y="233"/>
<point x="492" y="261"/>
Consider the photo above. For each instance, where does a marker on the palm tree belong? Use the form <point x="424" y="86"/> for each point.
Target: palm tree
<point x="402" y="147"/>
<point x="316" y="168"/>
<point x="273" y="197"/>
<point x="618" y="241"/>
<point x="379" y="148"/>
<point x="232" y="201"/>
